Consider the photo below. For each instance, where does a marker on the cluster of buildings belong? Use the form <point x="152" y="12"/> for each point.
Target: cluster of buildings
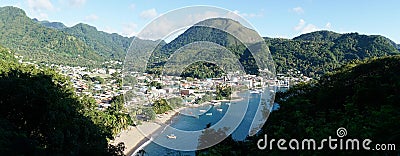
<point x="147" y="87"/>
<point x="96" y="82"/>
<point x="188" y="89"/>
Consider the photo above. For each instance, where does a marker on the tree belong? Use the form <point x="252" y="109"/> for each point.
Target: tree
<point x="223" y="91"/>
<point x="98" y="78"/>
<point x="40" y="112"/>
<point x="156" y="84"/>
<point x="161" y="106"/>
<point x="149" y="112"/>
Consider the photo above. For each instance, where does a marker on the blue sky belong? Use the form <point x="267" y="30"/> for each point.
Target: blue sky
<point x="283" y="18"/>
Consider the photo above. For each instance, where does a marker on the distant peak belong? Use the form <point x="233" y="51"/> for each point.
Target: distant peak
<point x="217" y="20"/>
<point x="13" y="11"/>
<point x="323" y="35"/>
<point x="85" y="26"/>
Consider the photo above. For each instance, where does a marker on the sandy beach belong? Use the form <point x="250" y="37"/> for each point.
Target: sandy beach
<point x="135" y="136"/>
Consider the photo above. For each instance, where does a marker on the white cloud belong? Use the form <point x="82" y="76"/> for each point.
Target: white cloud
<point x="309" y="28"/>
<point x="91" y="18"/>
<point x="303" y="27"/>
<point x="76" y="3"/>
<point x="328" y="25"/>
<point x="248" y="15"/>
<point x="129" y="29"/>
<point x="42" y="16"/>
<point x="149" y="14"/>
<point x="298" y="10"/>
<point x="176" y="23"/>
<point x="38" y="5"/>
<point x="300" y="25"/>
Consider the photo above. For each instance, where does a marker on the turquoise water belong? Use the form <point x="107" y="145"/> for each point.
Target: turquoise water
<point x="192" y="119"/>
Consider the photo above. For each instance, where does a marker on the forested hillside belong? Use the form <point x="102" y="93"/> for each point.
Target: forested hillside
<point x="313" y="54"/>
<point x="53" y="42"/>
<point x="38" y="43"/>
<point x="319" y="52"/>
<point x="48" y="24"/>
<point x="110" y="46"/>
<point x="40" y="114"/>
<point x="206" y="31"/>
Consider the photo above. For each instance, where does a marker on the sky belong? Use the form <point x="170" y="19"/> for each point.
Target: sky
<point x="284" y="18"/>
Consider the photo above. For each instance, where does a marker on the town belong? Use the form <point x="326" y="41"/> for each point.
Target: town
<point x="143" y="89"/>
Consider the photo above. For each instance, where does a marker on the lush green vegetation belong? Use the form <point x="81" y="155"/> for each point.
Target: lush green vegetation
<point x="202" y="70"/>
<point x="161" y="106"/>
<point x="206" y="98"/>
<point x="156" y="84"/>
<point x="313" y="54"/>
<point x="110" y="46"/>
<point x="41" y="115"/>
<point x="319" y="52"/>
<point x="175" y="102"/>
<point x="39" y="43"/>
<point x="52" y="42"/>
<point x="203" y="33"/>
<point x="48" y="24"/>
<point x="361" y="96"/>
<point x="223" y="92"/>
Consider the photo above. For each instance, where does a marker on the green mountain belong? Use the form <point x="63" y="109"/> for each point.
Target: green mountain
<point x="361" y="97"/>
<point x="55" y="25"/>
<point x="313" y="54"/>
<point x="112" y="46"/>
<point x="53" y="42"/>
<point x="318" y="36"/>
<point x="39" y="43"/>
<point x="319" y="52"/>
<point x="212" y="31"/>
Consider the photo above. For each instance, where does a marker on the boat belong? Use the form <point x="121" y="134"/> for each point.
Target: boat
<point x="272" y="91"/>
<point x="209" y="114"/>
<point x="215" y="103"/>
<point x="202" y="110"/>
<point x="254" y="92"/>
<point x="219" y="109"/>
<point x="228" y="104"/>
<point x="172" y="136"/>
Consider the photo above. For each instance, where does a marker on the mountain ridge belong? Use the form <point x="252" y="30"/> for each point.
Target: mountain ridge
<point x="51" y="42"/>
<point x="322" y="51"/>
<point x="83" y="44"/>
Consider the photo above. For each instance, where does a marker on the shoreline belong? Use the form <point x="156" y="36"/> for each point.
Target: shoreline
<point x="142" y="141"/>
<point x="134" y="137"/>
<point x="234" y="98"/>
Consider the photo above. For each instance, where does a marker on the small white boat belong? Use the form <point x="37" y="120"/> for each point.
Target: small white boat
<point x="202" y="110"/>
<point x="209" y="114"/>
<point x="172" y="136"/>
<point x="254" y="92"/>
<point x="219" y="109"/>
<point x="272" y="91"/>
<point x="215" y="103"/>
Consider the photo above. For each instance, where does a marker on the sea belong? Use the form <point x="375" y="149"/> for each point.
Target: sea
<point x="239" y="118"/>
